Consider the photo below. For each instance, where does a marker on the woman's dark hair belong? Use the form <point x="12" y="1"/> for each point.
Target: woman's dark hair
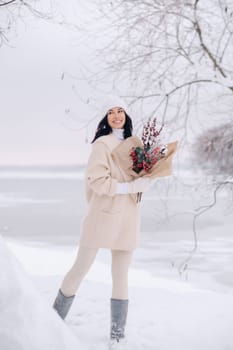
<point x="103" y="128"/>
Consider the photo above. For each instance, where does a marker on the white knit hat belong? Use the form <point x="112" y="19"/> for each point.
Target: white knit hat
<point x="111" y="101"/>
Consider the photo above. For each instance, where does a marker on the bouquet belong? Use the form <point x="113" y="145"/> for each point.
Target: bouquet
<point x="144" y="158"/>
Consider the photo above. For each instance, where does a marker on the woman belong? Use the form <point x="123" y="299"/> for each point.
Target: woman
<point x="112" y="220"/>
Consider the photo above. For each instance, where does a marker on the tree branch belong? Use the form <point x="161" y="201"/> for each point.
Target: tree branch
<point x="8" y="3"/>
<point x="203" y="45"/>
<point x="199" y="211"/>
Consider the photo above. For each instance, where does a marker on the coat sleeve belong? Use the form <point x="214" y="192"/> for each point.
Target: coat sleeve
<point x="98" y="175"/>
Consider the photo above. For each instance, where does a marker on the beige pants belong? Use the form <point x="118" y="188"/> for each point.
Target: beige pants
<point x="120" y="265"/>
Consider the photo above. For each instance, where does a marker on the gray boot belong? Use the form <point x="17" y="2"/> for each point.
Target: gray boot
<point x="119" y="311"/>
<point x="62" y="304"/>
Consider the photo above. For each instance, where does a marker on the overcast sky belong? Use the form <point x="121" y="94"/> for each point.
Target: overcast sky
<point x="42" y="116"/>
<point x="39" y="110"/>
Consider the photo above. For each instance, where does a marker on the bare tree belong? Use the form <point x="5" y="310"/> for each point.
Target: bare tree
<point x="174" y="52"/>
<point x="215" y="150"/>
<point x="14" y="11"/>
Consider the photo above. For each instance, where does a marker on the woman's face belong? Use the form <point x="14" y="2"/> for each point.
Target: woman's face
<point x="116" y="117"/>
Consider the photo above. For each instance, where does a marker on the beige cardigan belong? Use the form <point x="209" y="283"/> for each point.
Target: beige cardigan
<point x="112" y="220"/>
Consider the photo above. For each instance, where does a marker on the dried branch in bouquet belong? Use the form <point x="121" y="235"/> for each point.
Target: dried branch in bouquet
<point x="145" y="158"/>
<point x="150" y="134"/>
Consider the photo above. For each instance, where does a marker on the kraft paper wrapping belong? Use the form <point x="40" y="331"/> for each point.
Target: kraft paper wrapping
<point x="163" y="167"/>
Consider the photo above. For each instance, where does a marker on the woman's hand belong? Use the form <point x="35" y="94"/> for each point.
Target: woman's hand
<point x="142" y="184"/>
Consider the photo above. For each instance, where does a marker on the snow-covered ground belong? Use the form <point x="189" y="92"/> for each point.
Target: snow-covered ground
<point x="40" y="224"/>
<point x="26" y="322"/>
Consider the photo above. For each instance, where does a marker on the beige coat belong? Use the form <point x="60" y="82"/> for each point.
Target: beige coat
<point x="112" y="221"/>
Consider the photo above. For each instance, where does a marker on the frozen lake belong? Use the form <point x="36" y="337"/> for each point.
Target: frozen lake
<point x="48" y="207"/>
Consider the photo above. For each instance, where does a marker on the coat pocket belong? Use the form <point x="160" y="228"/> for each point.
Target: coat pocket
<point x="108" y="225"/>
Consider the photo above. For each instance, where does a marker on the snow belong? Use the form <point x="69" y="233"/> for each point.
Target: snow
<point x="166" y="311"/>
<point x="26" y="321"/>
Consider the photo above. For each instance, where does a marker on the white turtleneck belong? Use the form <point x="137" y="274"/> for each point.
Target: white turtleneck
<point x="119" y="133"/>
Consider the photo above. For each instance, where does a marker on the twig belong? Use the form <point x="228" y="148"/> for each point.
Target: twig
<point x="8" y="2"/>
<point x="199" y="211"/>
